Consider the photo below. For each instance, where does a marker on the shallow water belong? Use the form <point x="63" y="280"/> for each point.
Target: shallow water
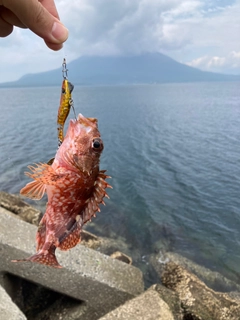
<point x="173" y="153"/>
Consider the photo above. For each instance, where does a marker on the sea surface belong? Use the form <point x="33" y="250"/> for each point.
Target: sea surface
<point x="173" y="151"/>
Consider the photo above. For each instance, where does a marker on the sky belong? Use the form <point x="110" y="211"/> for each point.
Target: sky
<point x="201" y="33"/>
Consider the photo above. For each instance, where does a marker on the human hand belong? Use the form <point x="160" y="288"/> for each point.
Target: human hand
<point x="40" y="16"/>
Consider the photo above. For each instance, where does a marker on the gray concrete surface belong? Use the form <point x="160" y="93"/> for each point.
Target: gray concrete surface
<point x="102" y="282"/>
<point x="147" y="306"/>
<point x="8" y="309"/>
<point x="20" y="208"/>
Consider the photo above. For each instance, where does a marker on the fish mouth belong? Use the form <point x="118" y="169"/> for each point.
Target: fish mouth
<point x="86" y="122"/>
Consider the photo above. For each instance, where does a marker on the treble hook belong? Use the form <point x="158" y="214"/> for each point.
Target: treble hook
<point x="64" y="69"/>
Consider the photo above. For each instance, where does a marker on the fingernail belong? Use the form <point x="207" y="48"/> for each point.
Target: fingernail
<point x="59" y="32"/>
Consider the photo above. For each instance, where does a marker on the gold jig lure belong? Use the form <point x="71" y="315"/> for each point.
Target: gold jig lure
<point x="66" y="103"/>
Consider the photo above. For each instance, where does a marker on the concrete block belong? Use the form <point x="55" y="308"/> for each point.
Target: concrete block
<point x="147" y="306"/>
<point x="8" y="309"/>
<point x="102" y="282"/>
<point x="20" y="208"/>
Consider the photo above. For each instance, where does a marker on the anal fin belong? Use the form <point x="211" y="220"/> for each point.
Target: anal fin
<point x="71" y="240"/>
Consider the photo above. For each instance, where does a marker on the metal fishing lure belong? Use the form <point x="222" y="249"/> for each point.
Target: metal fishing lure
<point x="66" y="103"/>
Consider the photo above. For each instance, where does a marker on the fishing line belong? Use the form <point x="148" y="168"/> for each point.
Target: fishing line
<point x="64" y="52"/>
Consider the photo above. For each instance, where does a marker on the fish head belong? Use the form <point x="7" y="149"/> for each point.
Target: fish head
<point x="82" y="145"/>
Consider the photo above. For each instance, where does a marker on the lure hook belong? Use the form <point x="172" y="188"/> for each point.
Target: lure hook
<point x="64" y="69"/>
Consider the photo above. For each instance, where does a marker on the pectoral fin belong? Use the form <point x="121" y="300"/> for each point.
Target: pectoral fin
<point x="43" y="175"/>
<point x="34" y="190"/>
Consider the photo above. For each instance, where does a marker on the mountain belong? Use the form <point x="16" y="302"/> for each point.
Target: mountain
<point x="145" y="68"/>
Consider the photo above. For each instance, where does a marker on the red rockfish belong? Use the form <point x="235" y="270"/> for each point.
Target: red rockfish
<point x="75" y="187"/>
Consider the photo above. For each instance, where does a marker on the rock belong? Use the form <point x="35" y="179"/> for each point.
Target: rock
<point x="8" y="309"/>
<point x="198" y="301"/>
<point x="121" y="257"/>
<point x="102" y="282"/>
<point x="89" y="240"/>
<point x="212" y="279"/>
<point x="172" y="300"/>
<point x="107" y="246"/>
<point x="147" y="306"/>
<point x="14" y="204"/>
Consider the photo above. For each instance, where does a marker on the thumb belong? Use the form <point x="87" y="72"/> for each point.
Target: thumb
<point x="39" y="20"/>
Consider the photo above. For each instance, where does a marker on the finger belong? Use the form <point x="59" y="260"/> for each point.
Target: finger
<point x="5" y="28"/>
<point x="54" y="46"/>
<point x="9" y="17"/>
<point x="51" y="7"/>
<point x="37" y="18"/>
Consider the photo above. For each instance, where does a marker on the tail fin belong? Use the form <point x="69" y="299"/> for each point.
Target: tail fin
<point x="48" y="258"/>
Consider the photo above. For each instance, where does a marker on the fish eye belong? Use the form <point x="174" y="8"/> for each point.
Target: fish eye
<point x="97" y="144"/>
<point x="63" y="90"/>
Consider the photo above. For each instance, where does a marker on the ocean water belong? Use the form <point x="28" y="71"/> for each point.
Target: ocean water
<point x="173" y="151"/>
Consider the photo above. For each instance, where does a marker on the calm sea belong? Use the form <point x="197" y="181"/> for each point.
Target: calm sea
<point x="173" y="151"/>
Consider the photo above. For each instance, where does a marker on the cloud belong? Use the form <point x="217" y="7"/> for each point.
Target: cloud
<point x="179" y="28"/>
<point x="107" y="27"/>
<point x="23" y="53"/>
<point x="218" y="64"/>
<point x="186" y="30"/>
